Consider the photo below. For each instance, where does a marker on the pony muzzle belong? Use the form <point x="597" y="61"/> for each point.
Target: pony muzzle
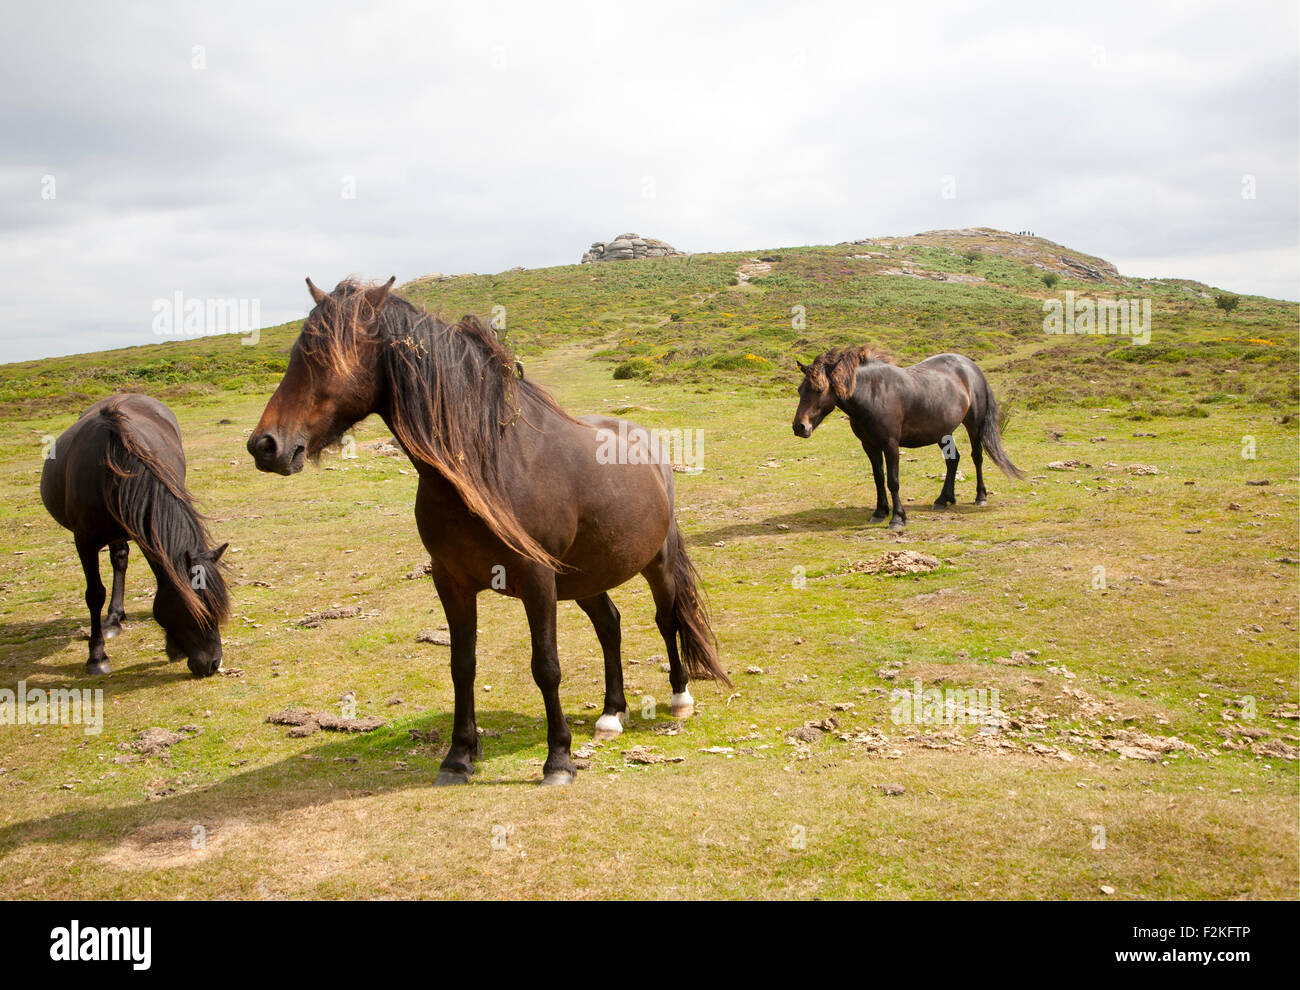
<point x="277" y="456"/>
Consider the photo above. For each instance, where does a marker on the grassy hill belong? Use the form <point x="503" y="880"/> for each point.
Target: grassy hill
<point x="731" y="318"/>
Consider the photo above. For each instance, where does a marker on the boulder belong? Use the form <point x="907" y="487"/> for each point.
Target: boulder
<point x="629" y="247"/>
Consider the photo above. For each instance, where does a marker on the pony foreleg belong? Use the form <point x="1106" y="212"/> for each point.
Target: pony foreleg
<point x="878" y="473"/>
<point x="899" y="518"/>
<point x="117" y="553"/>
<point x="97" y="662"/>
<point x="461" y="608"/>
<point x="605" y="619"/>
<point x="539" y="604"/>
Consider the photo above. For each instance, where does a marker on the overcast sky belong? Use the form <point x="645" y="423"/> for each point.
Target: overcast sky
<point x="478" y="136"/>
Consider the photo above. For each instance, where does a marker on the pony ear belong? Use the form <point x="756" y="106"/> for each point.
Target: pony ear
<point x="379" y="294"/>
<point x="216" y="554"/>
<point x="802" y="367"/>
<point x="316" y="294"/>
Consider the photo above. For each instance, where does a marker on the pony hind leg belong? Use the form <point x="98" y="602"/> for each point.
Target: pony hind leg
<point x="118" y="553"/>
<point x="977" y="455"/>
<point x="663" y="588"/>
<point x="97" y="661"/>
<point x="605" y="619"/>
<point x="951" y="458"/>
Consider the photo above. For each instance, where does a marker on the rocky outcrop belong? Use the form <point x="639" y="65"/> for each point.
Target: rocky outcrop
<point x="629" y="247"/>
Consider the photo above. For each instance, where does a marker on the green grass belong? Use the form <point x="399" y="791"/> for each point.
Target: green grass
<point x="1199" y="611"/>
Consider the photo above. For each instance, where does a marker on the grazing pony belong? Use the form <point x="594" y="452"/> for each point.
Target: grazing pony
<point x="891" y="407"/>
<point x="514" y="494"/>
<point x="118" y="474"/>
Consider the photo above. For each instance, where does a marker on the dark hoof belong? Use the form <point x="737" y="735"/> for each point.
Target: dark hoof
<point x="112" y="629"/>
<point x="981" y="501"/>
<point x="559" y="778"/>
<point x="942" y="503"/>
<point x="897" y="524"/>
<point x="446" y="778"/>
<point x="98" y="667"/>
<point x="880" y="517"/>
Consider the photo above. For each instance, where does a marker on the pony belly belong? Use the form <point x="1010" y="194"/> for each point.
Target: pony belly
<point x="572" y="585"/>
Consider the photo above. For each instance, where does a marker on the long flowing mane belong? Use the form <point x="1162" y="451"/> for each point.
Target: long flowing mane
<point x="148" y="500"/>
<point x="454" y="391"/>
<point x="838" y="367"/>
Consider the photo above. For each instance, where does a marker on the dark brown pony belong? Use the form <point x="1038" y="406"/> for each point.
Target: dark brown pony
<point x="891" y="407"/>
<point x="118" y="474"/>
<point x="514" y="496"/>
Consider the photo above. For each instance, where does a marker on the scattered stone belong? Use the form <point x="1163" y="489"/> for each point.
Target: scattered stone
<point x="420" y="570"/>
<point x="291" y="716"/>
<point x="337" y="723"/>
<point x="152" y="741"/>
<point x="1142" y="469"/>
<point x="385" y="447"/>
<point x="648" y="756"/>
<point x="1260" y="483"/>
<point x="1066" y="465"/>
<point x="438" y="637"/>
<point x="804" y="733"/>
<point x="892" y="790"/>
<point x="1276" y="748"/>
<point x="315" y="619"/>
<point x="897" y="562"/>
<point x="305" y="722"/>
<point x="755" y="670"/>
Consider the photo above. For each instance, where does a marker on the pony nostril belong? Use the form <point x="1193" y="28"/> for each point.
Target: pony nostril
<point x="262" y="446"/>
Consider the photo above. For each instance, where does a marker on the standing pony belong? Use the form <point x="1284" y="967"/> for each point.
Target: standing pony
<point x="891" y="407"/>
<point x="118" y="474"/>
<point x="514" y="494"/>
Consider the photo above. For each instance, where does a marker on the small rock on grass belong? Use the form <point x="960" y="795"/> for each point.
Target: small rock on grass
<point x="648" y="756"/>
<point x="314" y="620"/>
<point x="156" y="739"/>
<point x="438" y="637"/>
<point x="304" y="722"/>
<point x="892" y="790"/>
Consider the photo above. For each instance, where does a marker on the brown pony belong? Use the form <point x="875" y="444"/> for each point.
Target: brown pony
<point x="514" y="495"/>
<point x="891" y="407"/>
<point x="118" y="474"/>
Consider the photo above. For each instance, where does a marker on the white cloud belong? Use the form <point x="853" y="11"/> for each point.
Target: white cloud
<point x="485" y="136"/>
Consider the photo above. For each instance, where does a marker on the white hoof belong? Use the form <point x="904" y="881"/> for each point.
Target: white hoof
<point x="609" y="727"/>
<point x="682" y="705"/>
